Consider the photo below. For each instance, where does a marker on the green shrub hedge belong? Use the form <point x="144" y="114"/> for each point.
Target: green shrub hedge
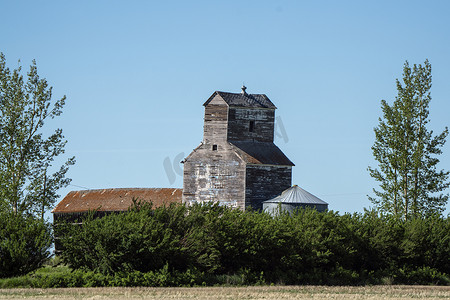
<point x="210" y="244"/>
<point x="24" y="243"/>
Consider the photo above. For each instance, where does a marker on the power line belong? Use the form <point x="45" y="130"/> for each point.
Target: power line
<point x="79" y="186"/>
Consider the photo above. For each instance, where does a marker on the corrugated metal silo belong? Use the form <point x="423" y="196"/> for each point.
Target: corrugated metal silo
<point x="294" y="198"/>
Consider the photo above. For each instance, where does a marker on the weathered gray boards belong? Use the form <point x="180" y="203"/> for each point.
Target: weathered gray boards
<point x="237" y="164"/>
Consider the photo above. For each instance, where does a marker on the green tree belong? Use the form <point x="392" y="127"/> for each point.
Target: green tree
<point x="28" y="180"/>
<point x="406" y="151"/>
<point x="24" y="243"/>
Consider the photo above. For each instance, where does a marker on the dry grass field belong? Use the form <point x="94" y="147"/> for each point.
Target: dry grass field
<point x="212" y="293"/>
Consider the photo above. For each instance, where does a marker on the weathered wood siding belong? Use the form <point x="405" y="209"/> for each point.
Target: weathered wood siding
<point x="239" y="124"/>
<point x="215" y="122"/>
<point x="214" y="175"/>
<point x="265" y="182"/>
<point x="216" y="172"/>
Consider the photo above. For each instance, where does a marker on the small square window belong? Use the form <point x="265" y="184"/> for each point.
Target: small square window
<point x="214" y="148"/>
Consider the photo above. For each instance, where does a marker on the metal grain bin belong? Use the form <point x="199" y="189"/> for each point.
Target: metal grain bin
<point x="294" y="198"/>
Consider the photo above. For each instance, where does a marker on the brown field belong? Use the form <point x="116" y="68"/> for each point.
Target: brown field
<point x="264" y="292"/>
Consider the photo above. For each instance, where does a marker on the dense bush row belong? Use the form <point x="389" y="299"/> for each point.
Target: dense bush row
<point x="209" y="243"/>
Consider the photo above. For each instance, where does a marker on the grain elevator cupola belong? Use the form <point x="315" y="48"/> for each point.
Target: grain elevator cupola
<point x="237" y="164"/>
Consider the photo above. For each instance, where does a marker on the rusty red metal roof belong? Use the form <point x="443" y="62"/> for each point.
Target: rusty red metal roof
<point x="115" y="199"/>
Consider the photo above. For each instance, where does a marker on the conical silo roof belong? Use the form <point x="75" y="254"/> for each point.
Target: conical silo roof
<point x="296" y="194"/>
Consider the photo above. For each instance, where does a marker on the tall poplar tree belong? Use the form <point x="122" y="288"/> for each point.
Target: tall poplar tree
<point x="406" y="151"/>
<point x="28" y="179"/>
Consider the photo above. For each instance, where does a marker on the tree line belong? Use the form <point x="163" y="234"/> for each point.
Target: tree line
<point x="408" y="207"/>
<point x="210" y="241"/>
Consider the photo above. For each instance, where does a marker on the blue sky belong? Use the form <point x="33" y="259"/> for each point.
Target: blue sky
<point x="136" y="74"/>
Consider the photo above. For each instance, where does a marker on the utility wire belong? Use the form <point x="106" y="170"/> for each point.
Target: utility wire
<point x="79" y="186"/>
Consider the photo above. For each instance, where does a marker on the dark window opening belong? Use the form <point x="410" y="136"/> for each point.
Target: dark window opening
<point x="231" y="115"/>
<point x="251" y="126"/>
<point x="214" y="147"/>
